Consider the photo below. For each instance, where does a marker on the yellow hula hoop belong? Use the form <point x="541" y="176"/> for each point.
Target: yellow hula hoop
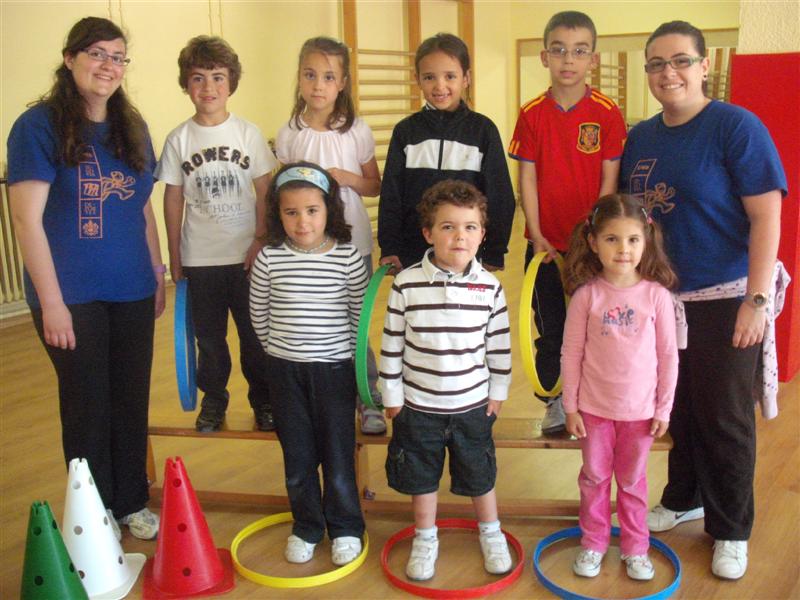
<point x="289" y="582"/>
<point x="526" y="336"/>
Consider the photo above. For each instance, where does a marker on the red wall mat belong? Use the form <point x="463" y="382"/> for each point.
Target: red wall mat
<point x="769" y="86"/>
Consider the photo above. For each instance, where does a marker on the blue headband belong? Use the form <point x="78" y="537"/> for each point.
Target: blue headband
<point x="308" y="174"/>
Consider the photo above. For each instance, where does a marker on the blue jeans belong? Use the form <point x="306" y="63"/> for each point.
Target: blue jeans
<point x="313" y="404"/>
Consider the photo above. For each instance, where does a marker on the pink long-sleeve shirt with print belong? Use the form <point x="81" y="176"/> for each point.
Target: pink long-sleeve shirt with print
<point x="619" y="359"/>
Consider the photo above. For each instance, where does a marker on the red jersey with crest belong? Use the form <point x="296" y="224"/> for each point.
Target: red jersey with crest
<point x="568" y="147"/>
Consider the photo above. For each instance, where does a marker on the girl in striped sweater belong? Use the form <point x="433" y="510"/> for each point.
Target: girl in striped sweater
<point x="306" y="290"/>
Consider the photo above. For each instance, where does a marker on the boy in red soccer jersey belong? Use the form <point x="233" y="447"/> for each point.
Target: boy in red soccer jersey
<point x="569" y="141"/>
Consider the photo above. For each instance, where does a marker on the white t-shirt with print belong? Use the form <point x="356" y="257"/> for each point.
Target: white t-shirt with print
<point x="216" y="166"/>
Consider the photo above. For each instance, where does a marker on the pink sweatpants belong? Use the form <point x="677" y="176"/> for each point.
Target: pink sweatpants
<point x="619" y="448"/>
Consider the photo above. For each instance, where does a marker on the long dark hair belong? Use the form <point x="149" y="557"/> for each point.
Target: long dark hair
<point x="335" y="226"/>
<point x="582" y="264"/>
<point x="344" y="110"/>
<point x="127" y="136"/>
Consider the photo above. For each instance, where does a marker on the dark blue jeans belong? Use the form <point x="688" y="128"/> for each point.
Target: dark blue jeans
<point x="104" y="393"/>
<point x="314" y="408"/>
<point x="214" y="291"/>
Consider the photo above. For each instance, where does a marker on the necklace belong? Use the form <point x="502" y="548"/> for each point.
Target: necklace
<point x="310" y="250"/>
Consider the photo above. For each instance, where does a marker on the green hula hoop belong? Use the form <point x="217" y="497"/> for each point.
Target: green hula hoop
<point x="362" y="339"/>
<point x="526" y="336"/>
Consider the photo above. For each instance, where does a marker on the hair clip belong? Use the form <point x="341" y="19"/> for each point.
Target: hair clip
<point x="594" y="216"/>
<point x="647" y="217"/>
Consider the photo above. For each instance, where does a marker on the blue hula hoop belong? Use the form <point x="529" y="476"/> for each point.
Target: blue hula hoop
<point x="185" y="353"/>
<point x="575" y="532"/>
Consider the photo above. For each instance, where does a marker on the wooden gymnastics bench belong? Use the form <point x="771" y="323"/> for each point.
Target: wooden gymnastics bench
<point x="508" y="433"/>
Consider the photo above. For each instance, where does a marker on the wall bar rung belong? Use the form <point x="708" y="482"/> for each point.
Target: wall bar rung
<point x="388" y="111"/>
<point x="385" y="52"/>
<point x="387" y="82"/>
<point x="390" y="97"/>
<point x="364" y="67"/>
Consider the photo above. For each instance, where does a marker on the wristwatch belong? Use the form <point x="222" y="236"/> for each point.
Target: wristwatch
<point x="757" y="299"/>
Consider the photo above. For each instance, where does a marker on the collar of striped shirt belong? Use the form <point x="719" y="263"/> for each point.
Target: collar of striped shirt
<point x="432" y="272"/>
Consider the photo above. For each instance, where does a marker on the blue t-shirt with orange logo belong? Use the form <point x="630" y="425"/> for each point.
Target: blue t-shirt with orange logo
<point x="692" y="178"/>
<point x="93" y="219"/>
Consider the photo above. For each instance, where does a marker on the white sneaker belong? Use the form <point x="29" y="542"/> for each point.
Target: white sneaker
<point x="422" y="562"/>
<point x="660" y="518"/>
<point x="142" y="524"/>
<point x="554" y="418"/>
<point x="345" y="549"/>
<point x="730" y="559"/>
<point x="496" y="557"/>
<point x="639" y="567"/>
<point x="298" y="550"/>
<point x="110" y="520"/>
<point x="587" y="563"/>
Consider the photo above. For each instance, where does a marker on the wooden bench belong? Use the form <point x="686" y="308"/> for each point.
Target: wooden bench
<point x="508" y="433"/>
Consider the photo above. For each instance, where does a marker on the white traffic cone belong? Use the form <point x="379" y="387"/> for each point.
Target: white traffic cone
<point x="105" y="571"/>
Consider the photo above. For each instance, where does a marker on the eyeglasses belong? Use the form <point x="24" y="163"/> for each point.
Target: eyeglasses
<point x="576" y="53"/>
<point x="679" y="62"/>
<point x="101" y="55"/>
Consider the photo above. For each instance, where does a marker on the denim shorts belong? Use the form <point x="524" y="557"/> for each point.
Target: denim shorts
<point x="415" y="460"/>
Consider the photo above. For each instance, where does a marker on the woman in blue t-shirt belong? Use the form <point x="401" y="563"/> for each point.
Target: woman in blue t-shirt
<point x="80" y="168"/>
<point x="711" y="175"/>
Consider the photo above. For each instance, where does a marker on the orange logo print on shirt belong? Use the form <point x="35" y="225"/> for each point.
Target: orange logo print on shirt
<point x="93" y="189"/>
<point x="589" y="137"/>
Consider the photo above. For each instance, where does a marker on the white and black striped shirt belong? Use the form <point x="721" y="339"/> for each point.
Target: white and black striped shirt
<point x="446" y="341"/>
<point x="305" y="307"/>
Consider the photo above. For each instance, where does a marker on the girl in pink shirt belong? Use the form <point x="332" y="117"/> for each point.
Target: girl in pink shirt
<point x="619" y="364"/>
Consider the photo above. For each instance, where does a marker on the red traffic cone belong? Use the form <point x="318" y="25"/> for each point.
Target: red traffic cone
<point x="48" y="571"/>
<point x="186" y="562"/>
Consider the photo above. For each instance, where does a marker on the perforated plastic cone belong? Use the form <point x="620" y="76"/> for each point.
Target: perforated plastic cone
<point x="186" y="562"/>
<point x="48" y="571"/>
<point x="105" y="570"/>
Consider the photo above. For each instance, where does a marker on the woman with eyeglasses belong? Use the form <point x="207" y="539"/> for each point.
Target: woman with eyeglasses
<point x="710" y="174"/>
<point x="80" y="165"/>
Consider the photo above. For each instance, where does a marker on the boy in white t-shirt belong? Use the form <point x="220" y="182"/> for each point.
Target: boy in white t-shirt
<point x="218" y="166"/>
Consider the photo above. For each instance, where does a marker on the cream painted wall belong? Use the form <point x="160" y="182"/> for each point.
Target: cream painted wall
<point x="771" y="26"/>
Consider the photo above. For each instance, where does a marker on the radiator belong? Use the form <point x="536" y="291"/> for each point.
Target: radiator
<point x="12" y="294"/>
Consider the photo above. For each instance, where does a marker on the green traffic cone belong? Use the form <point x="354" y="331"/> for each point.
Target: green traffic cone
<point x="48" y="572"/>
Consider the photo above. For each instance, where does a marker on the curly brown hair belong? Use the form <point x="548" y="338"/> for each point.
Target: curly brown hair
<point x="451" y="191"/>
<point x="209" y="52"/>
<point x="344" y="110"/>
<point x="582" y="264"/>
<point x="336" y="226"/>
<point x="127" y="135"/>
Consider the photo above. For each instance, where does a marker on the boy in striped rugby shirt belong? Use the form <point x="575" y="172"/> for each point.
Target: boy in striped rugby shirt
<point x="445" y="371"/>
